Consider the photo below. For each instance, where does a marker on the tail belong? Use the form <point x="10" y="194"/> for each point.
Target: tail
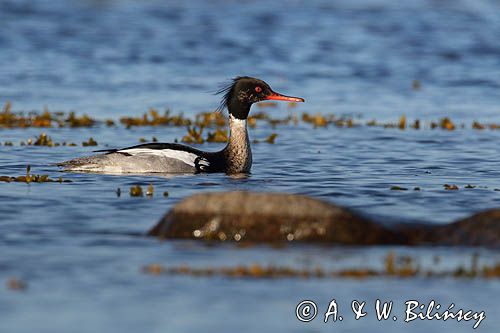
<point x="78" y="163"/>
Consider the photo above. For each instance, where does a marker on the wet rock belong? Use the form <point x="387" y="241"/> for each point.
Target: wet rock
<point x="482" y="229"/>
<point x="274" y="217"/>
<point x="268" y="217"/>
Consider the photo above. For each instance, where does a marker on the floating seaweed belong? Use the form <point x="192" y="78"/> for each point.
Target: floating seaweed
<point x="447" y="124"/>
<point x="416" y="124"/>
<point x="317" y="120"/>
<point x="42" y="140"/>
<point x="398" y="188"/>
<point x="194" y="135"/>
<point x="153" y="118"/>
<point x="90" y="142"/>
<point x="405" y="268"/>
<point x="394" y="267"/>
<point x="416" y="85"/>
<point x="260" y="116"/>
<point x="477" y="125"/>
<point x="10" y="119"/>
<point x="153" y="269"/>
<point x="136" y="191"/>
<point x="270" y="139"/>
<point x="210" y="119"/>
<point x="219" y="135"/>
<point x="29" y="178"/>
<point x="84" y="121"/>
<point x="150" y="190"/>
<point x="267" y="105"/>
<point x="143" y="140"/>
<point x="402" y="122"/>
<point x="277" y="121"/>
<point x="16" y="284"/>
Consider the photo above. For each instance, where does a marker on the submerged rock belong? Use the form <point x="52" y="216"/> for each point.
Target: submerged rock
<point x="268" y="217"/>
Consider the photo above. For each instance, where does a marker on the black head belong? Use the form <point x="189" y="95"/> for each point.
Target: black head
<point x="243" y="91"/>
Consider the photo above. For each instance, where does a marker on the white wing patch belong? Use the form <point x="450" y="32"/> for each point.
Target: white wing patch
<point x="202" y="164"/>
<point x="184" y="156"/>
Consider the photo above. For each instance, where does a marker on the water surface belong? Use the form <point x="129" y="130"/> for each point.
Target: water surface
<point x="79" y="246"/>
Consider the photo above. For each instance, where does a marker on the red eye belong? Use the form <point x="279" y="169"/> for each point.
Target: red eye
<point x="258" y="89"/>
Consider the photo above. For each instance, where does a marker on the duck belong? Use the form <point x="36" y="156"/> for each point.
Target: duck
<point x="173" y="158"/>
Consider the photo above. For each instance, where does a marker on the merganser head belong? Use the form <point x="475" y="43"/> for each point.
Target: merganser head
<point x="243" y="91"/>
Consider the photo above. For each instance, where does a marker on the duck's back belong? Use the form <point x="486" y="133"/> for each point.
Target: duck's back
<point x="146" y="158"/>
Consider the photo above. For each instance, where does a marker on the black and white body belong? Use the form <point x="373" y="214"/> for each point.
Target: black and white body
<point x="236" y="157"/>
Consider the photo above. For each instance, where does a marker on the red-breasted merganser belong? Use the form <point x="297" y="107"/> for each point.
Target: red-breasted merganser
<point x="236" y="157"/>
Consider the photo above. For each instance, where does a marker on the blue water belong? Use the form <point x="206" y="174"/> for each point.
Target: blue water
<point x="79" y="247"/>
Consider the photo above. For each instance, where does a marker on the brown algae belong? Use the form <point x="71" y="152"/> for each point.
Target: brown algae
<point x="29" y="178"/>
<point x="90" y="142"/>
<point x="16" y="284"/>
<point x="10" y="119"/>
<point x="394" y="267"/>
<point x="46" y="118"/>
<point x="136" y="191"/>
